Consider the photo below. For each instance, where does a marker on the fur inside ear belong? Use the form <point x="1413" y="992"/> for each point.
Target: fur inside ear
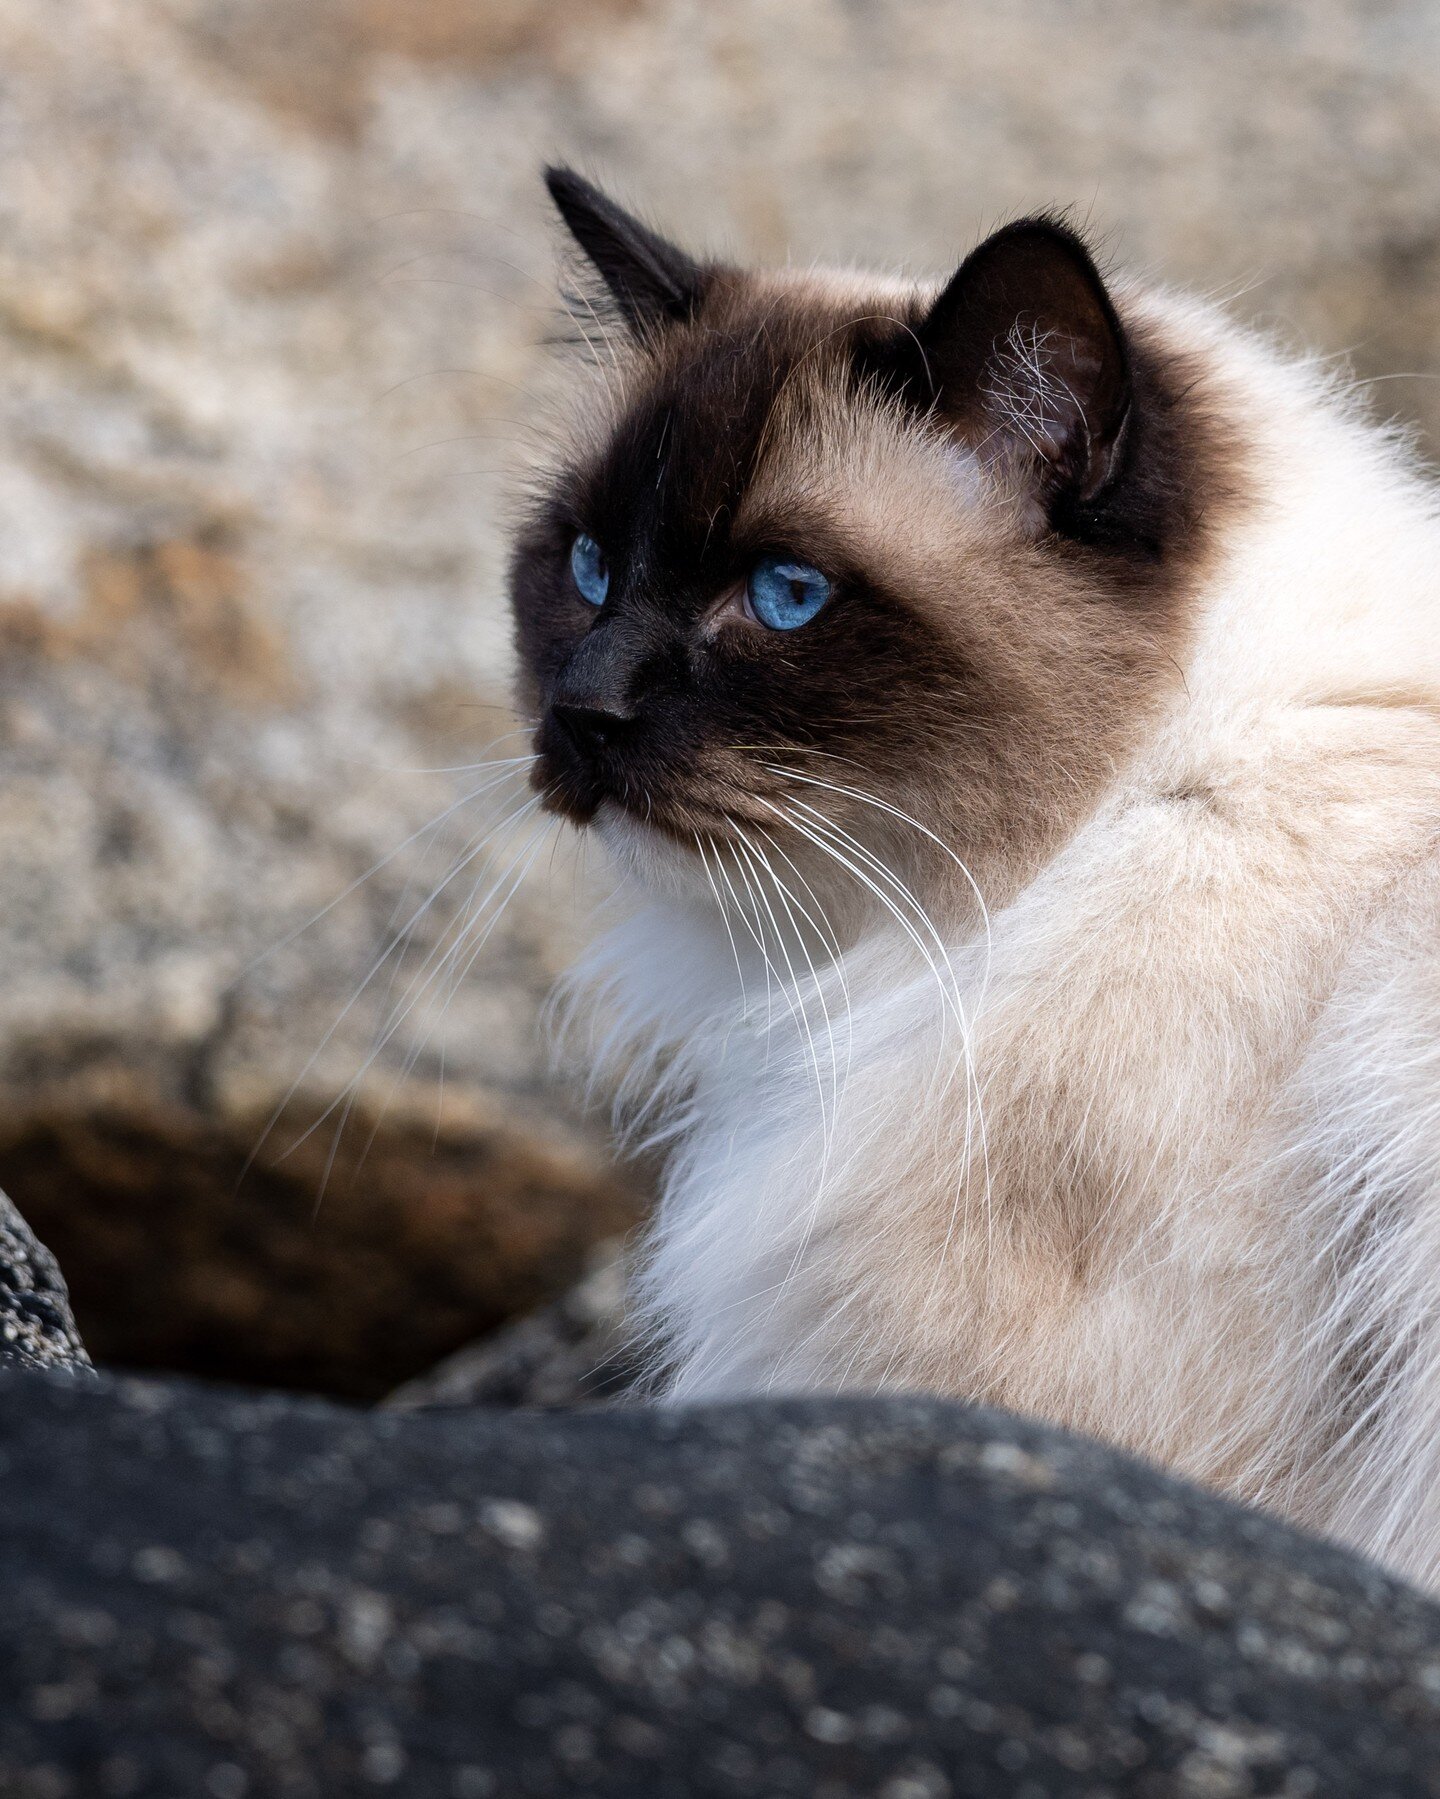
<point x="650" y="279"/>
<point x="1027" y="357"/>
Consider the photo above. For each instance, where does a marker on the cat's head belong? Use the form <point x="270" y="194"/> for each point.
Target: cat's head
<point x="832" y="554"/>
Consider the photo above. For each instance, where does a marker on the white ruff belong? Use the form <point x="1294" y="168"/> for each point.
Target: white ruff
<point x="1166" y="1165"/>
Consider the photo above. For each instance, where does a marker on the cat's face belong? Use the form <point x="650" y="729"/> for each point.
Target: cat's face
<point x="827" y="555"/>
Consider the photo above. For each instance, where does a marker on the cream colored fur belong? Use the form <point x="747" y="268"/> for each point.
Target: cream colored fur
<point x="1157" y="1154"/>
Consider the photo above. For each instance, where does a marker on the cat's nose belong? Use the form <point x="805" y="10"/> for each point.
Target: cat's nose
<point x="591" y="728"/>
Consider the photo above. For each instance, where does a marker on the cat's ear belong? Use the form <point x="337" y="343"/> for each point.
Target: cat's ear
<point x="1028" y="360"/>
<point x="651" y="280"/>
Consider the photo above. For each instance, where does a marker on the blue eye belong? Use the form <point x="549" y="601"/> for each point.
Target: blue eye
<point x="588" y="570"/>
<point x="784" y="595"/>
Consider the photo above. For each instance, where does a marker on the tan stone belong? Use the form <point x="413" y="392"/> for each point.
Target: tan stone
<point x="274" y="293"/>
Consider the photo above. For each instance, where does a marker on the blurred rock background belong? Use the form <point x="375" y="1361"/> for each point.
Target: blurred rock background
<point x="275" y="288"/>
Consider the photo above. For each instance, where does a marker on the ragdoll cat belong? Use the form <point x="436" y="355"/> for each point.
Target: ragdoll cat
<point x="1016" y="702"/>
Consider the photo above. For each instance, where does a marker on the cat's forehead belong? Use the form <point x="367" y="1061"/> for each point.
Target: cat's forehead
<point x="764" y="417"/>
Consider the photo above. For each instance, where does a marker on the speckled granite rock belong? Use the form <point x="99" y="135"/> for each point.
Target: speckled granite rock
<point x="36" y="1328"/>
<point x="213" y="1597"/>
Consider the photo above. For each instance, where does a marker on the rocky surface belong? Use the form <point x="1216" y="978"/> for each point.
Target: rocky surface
<point x="219" y="1596"/>
<point x="36" y="1327"/>
<point x="274" y="290"/>
<point x="245" y="606"/>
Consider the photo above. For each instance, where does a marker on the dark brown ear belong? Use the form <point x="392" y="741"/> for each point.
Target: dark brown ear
<point x="1027" y="357"/>
<point x="651" y="281"/>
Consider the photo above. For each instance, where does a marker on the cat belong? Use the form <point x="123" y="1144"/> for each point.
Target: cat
<point x="1014" y="702"/>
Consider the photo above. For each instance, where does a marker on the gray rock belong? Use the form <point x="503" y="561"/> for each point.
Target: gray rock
<point x="36" y="1327"/>
<point x="210" y="1594"/>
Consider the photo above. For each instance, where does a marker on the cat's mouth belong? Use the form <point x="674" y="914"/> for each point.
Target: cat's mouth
<point x="592" y="794"/>
<point x="680" y="821"/>
<point x="581" y="768"/>
<point x="564" y="794"/>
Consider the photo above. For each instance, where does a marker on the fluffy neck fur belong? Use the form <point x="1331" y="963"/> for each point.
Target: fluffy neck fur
<point x="1155" y="1153"/>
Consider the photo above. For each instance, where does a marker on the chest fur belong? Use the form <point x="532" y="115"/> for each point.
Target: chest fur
<point x="1036" y="1174"/>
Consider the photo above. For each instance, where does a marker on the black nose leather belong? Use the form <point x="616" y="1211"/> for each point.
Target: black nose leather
<point x="590" y="728"/>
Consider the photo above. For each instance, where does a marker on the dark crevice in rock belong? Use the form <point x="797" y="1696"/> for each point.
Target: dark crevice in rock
<point x="181" y="1257"/>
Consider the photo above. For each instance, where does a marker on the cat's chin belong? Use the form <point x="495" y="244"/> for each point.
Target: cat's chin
<point x="650" y="856"/>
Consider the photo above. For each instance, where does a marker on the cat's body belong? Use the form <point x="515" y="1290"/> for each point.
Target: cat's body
<point x="1153" y="1151"/>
